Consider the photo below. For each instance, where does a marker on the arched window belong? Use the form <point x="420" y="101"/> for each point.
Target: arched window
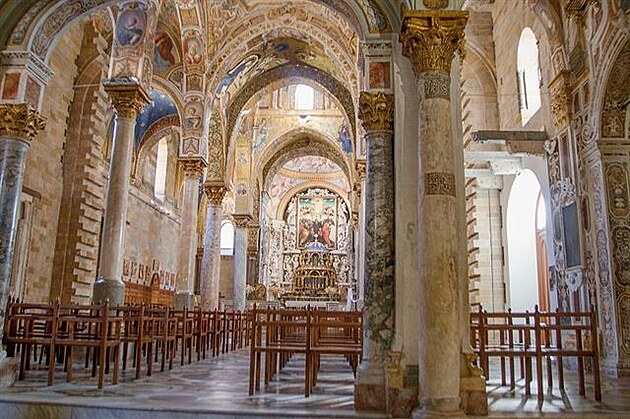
<point x="304" y="97"/>
<point x="160" y="169"/>
<point x="227" y="238"/>
<point x="528" y="75"/>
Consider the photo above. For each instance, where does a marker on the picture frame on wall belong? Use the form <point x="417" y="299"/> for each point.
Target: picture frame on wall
<point x="379" y="74"/>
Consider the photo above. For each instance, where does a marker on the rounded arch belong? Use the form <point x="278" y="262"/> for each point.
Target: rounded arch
<point x="527" y="68"/>
<point x="615" y="95"/>
<point x="291" y="73"/>
<point x="298" y="143"/>
<point x="284" y="202"/>
<point x="521" y="241"/>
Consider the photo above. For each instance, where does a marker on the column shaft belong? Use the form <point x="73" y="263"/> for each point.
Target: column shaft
<point x="431" y="39"/>
<point x="12" y="163"/>
<point x="211" y="263"/>
<point x="240" y="264"/>
<point x="377" y="114"/>
<point x="128" y="100"/>
<point x="187" y="243"/>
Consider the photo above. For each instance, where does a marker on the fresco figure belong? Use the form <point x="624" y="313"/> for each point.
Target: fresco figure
<point x="130" y="27"/>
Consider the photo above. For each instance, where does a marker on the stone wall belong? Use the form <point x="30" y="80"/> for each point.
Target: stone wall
<point x="44" y="173"/>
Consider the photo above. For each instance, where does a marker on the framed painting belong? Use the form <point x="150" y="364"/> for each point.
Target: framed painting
<point x="317" y="222"/>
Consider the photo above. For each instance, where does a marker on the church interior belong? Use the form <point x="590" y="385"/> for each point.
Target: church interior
<point x="455" y="171"/>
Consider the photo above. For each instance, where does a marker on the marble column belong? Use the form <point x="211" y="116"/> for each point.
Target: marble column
<point x="240" y="261"/>
<point x="193" y="168"/>
<point x="211" y="263"/>
<point x="128" y="100"/>
<point x="430" y="40"/>
<point x="19" y="124"/>
<point x="376" y="112"/>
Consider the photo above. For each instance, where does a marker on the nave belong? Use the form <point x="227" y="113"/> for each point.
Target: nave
<point x="217" y="388"/>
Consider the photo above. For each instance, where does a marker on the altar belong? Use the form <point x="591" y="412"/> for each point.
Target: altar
<point x="315" y="280"/>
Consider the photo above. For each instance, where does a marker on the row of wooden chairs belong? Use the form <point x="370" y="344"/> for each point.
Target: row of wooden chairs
<point x="537" y="336"/>
<point x="282" y="333"/>
<point x="108" y="335"/>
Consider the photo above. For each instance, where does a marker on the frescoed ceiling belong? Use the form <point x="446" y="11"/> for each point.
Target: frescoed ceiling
<point x="162" y="106"/>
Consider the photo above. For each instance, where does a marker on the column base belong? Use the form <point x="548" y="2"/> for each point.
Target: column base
<point x="8" y="370"/>
<point x="438" y="407"/>
<point x="473" y="395"/>
<point x="112" y="289"/>
<point x="184" y="300"/>
<point x="369" y="389"/>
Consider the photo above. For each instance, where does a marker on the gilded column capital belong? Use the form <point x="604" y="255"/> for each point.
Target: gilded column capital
<point x="430" y="38"/>
<point x="128" y="98"/>
<point x="215" y="192"/>
<point x="193" y="166"/>
<point x="20" y="121"/>
<point x="376" y="111"/>
<point x="242" y="220"/>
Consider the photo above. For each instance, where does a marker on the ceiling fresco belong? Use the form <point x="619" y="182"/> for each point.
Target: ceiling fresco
<point x="162" y="106"/>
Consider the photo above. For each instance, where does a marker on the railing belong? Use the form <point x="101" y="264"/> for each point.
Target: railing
<point x="52" y="331"/>
<point x="538" y="336"/>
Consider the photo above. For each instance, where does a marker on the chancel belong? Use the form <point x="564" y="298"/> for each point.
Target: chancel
<point x="314" y="208"/>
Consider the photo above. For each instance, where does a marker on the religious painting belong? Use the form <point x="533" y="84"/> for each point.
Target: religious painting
<point x="33" y="90"/>
<point x="193" y="52"/>
<point x="317" y="222"/>
<point x="571" y="230"/>
<point x="177" y="78"/>
<point x="131" y="26"/>
<point x="379" y="75"/>
<point x="192" y="121"/>
<point x="193" y="83"/>
<point x="164" y="52"/>
<point x="11" y="85"/>
<point x="237" y="73"/>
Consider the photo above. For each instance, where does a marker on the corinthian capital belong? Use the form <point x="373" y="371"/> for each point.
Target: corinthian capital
<point x="376" y="111"/>
<point x="20" y="121"/>
<point x="128" y="98"/>
<point x="215" y="192"/>
<point x="193" y="166"/>
<point x="430" y="38"/>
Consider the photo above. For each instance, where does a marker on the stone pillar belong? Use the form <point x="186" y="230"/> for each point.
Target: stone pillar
<point x="253" y="229"/>
<point x="211" y="263"/>
<point x="19" y="124"/>
<point x="430" y="40"/>
<point x="377" y="114"/>
<point x="193" y="169"/>
<point x="128" y="100"/>
<point x="240" y="260"/>
<point x="360" y="232"/>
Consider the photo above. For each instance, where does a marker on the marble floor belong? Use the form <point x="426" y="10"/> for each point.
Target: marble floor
<point x="218" y="388"/>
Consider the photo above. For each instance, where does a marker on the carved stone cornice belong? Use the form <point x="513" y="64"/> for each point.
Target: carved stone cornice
<point x="241" y="220"/>
<point x="215" y="192"/>
<point x="560" y="100"/>
<point x="360" y="166"/>
<point x="128" y="97"/>
<point x="376" y="111"/>
<point x="193" y="166"/>
<point x="430" y="38"/>
<point x="435" y="4"/>
<point x="20" y="121"/>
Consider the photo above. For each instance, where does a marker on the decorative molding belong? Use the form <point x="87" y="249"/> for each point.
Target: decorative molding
<point x="439" y="183"/>
<point x="26" y="60"/>
<point x="435" y="4"/>
<point x="360" y="166"/>
<point x="560" y="100"/>
<point x="376" y="111"/>
<point x="241" y="220"/>
<point x="193" y="166"/>
<point x="215" y="192"/>
<point x="430" y="38"/>
<point x="20" y="121"/>
<point x="128" y="97"/>
<point x="435" y="84"/>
